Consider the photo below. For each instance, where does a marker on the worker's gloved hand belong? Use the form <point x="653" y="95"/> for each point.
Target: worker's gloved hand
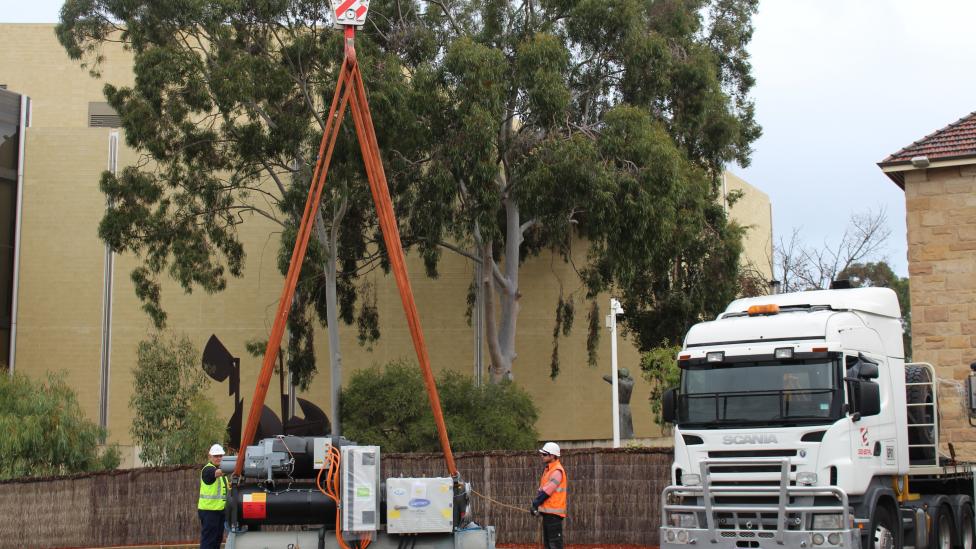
<point x="534" y="510"/>
<point x="540" y="498"/>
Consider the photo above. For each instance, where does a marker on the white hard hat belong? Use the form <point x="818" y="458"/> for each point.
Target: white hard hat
<point x="218" y="450"/>
<point x="550" y="448"/>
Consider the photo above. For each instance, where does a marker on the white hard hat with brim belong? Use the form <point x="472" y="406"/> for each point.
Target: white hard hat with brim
<point x="550" y="448"/>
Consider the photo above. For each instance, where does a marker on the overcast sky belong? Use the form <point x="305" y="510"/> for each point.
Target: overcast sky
<point x="840" y="85"/>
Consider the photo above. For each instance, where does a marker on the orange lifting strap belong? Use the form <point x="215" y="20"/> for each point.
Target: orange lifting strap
<point x="349" y="90"/>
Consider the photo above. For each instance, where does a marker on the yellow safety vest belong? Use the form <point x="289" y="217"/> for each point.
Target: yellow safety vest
<point x="213" y="497"/>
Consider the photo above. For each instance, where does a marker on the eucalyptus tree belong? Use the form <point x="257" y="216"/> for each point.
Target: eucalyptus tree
<point x="227" y="108"/>
<point x="607" y="121"/>
<point x="508" y="130"/>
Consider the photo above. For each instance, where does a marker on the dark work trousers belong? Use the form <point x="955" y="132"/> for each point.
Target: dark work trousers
<point x="211" y="529"/>
<point x="552" y="531"/>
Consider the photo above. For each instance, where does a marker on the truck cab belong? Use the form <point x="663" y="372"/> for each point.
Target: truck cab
<point x="792" y="428"/>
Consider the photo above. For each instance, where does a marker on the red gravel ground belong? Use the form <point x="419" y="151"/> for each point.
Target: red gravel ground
<point x="573" y="546"/>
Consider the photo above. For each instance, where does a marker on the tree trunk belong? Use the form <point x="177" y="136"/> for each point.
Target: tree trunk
<point x="509" y="296"/>
<point x="501" y="339"/>
<point x="501" y="331"/>
<point x="335" y="355"/>
<point x="498" y="365"/>
<point x="329" y="239"/>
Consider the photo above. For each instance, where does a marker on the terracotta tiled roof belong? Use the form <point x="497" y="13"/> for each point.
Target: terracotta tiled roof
<point x="955" y="141"/>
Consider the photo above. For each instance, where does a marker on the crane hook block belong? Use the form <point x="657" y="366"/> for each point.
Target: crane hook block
<point x="349" y="12"/>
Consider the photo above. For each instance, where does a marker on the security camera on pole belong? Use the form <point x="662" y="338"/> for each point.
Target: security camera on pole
<point x="615" y="309"/>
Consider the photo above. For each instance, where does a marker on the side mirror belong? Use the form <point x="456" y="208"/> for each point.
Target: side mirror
<point x="863" y="368"/>
<point x="868" y="398"/>
<point x="668" y="408"/>
<point x="869" y="370"/>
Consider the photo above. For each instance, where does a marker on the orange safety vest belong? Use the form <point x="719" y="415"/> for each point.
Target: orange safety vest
<point x="556" y="503"/>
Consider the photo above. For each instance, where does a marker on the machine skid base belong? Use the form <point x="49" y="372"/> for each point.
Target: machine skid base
<point x="475" y="538"/>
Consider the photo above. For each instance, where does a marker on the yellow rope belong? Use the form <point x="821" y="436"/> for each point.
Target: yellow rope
<point x="495" y="501"/>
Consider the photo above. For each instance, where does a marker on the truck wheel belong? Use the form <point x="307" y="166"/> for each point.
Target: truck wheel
<point x="883" y="534"/>
<point x="966" y="538"/>
<point x="919" y="394"/>
<point x="942" y="529"/>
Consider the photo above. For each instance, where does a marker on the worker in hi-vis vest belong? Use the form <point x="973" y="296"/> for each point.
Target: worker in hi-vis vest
<point x="550" y="501"/>
<point x="213" y="499"/>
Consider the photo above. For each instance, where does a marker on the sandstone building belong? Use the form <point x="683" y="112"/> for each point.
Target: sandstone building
<point x="938" y="175"/>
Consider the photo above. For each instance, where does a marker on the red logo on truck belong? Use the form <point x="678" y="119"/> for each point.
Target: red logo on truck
<point x="865" y="449"/>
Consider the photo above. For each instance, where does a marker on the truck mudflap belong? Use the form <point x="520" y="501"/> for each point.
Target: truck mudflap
<point x="764" y="515"/>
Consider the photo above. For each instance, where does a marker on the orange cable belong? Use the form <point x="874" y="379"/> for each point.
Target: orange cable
<point x="391" y="237"/>
<point x="349" y="83"/>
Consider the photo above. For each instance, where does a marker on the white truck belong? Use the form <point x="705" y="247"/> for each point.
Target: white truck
<point x="798" y="424"/>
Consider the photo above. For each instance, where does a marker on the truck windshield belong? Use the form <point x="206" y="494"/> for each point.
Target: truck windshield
<point x="764" y="392"/>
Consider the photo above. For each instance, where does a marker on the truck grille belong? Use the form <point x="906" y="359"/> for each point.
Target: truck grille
<point x="744" y="523"/>
<point x="750" y="469"/>
<point x="772" y="483"/>
<point x="786" y="452"/>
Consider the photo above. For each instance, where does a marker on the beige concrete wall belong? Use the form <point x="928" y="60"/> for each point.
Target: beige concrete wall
<point x="35" y="64"/>
<point x="59" y="313"/>
<point x="62" y="279"/>
<point x="941" y="215"/>
<point x="754" y="212"/>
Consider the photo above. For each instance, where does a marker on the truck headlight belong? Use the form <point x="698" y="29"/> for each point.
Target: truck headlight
<point x="684" y="520"/>
<point x="828" y="522"/>
<point x="691" y="479"/>
<point x="808" y="479"/>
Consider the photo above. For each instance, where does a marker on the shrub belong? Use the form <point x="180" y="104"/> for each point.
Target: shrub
<point x="45" y="432"/>
<point x="388" y="407"/>
<point x="174" y="420"/>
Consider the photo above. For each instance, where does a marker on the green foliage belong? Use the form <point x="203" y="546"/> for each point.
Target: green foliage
<point x="592" y="334"/>
<point x="174" y="419"/>
<point x="45" y="431"/>
<point x="565" y="314"/>
<point x="659" y="366"/>
<point x="879" y="274"/>
<point x="506" y="128"/>
<point x="227" y="109"/>
<point x="388" y="406"/>
<point x="609" y="121"/>
<point x="664" y="239"/>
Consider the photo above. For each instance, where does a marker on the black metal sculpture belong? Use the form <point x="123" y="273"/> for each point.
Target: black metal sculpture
<point x="222" y="366"/>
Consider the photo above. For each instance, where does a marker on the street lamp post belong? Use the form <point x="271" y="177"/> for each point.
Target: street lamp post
<point x="615" y="309"/>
